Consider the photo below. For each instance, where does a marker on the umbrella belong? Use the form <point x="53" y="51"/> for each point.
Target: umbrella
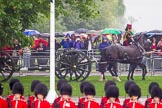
<point x="110" y="31"/>
<point x="93" y="32"/>
<point x="31" y="32"/>
<point x="81" y="30"/>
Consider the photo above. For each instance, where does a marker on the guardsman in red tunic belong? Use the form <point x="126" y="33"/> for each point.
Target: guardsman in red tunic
<point x="32" y="98"/>
<point x="41" y="91"/>
<point x="112" y="94"/>
<point x="58" y="99"/>
<point x="156" y="95"/>
<point x="18" y="91"/>
<point x="90" y="92"/>
<point x="65" y="101"/>
<point x="3" y="102"/>
<point x="83" y="98"/>
<point x="134" y="93"/>
<point x="149" y="100"/>
<point x="11" y="96"/>
<point x="126" y="87"/>
<point x="104" y="99"/>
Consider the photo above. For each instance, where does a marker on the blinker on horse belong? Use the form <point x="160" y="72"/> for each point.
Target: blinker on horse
<point x="132" y="55"/>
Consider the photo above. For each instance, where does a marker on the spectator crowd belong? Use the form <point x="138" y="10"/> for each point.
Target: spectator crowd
<point x="88" y="91"/>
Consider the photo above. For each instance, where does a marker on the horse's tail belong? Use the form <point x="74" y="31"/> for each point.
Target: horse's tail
<point x="104" y="55"/>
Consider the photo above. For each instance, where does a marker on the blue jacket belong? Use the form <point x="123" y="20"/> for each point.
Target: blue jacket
<point x="66" y="43"/>
<point x="103" y="45"/>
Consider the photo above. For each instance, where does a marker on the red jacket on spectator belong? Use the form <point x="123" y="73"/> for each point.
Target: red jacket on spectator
<point x="3" y="103"/>
<point x="19" y="104"/>
<point x="41" y="104"/>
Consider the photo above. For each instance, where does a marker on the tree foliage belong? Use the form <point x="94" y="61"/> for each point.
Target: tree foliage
<point x="18" y="15"/>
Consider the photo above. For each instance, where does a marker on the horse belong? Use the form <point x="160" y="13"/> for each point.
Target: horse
<point x="133" y="55"/>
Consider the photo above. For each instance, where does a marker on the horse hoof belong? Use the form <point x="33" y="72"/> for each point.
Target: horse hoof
<point x="143" y="78"/>
<point x="132" y="78"/>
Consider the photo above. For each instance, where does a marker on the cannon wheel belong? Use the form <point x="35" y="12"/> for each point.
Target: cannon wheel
<point x="6" y="66"/>
<point x="73" y="66"/>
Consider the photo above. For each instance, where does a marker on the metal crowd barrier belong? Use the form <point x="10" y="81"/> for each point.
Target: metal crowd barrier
<point x="40" y="61"/>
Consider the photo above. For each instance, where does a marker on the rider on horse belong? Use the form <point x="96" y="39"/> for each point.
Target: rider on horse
<point x="127" y="38"/>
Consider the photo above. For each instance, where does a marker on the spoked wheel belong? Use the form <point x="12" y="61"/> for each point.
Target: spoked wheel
<point x="73" y="66"/>
<point x="6" y="66"/>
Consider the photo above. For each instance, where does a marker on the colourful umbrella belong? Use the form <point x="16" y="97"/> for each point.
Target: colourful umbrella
<point x="110" y="31"/>
<point x="31" y="32"/>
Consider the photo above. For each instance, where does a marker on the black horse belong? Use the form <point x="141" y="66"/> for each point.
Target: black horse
<point x="132" y="55"/>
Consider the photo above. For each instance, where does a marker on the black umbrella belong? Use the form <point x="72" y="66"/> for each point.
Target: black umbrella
<point x="81" y="30"/>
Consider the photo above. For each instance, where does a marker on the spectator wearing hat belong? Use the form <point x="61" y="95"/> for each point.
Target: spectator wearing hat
<point x="104" y="99"/>
<point x="59" y="98"/>
<point x="149" y="100"/>
<point x="40" y="92"/>
<point x="127" y="38"/>
<point x="66" y="42"/>
<point x="134" y="93"/>
<point x="18" y="91"/>
<point x="66" y="92"/>
<point x="112" y="93"/>
<point x="90" y="92"/>
<point x="3" y="102"/>
<point x="83" y="98"/>
<point x="32" y="98"/>
<point x="126" y="88"/>
<point x="156" y="95"/>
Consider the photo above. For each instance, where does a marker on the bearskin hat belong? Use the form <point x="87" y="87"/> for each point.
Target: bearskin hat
<point x="89" y="89"/>
<point x="152" y="84"/>
<point x="41" y="89"/>
<point x="12" y="82"/>
<point x="82" y="84"/>
<point x="112" y="91"/>
<point x="134" y="90"/>
<point x="1" y="89"/>
<point x="127" y="85"/>
<point x="129" y="26"/>
<point x="18" y="88"/>
<point x="60" y="82"/>
<point x="156" y="92"/>
<point x="108" y="83"/>
<point x="34" y="84"/>
<point x="66" y="89"/>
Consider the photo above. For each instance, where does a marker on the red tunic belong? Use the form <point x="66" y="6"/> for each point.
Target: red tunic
<point x="56" y="102"/>
<point x="112" y="105"/>
<point x="19" y="104"/>
<point x="11" y="97"/>
<point x="153" y="105"/>
<point x="3" y="103"/>
<point x="134" y="105"/>
<point x="31" y="101"/>
<point x="67" y="104"/>
<point x="104" y="101"/>
<point x="81" y="101"/>
<point x="90" y="104"/>
<point x="148" y="101"/>
<point x="41" y="104"/>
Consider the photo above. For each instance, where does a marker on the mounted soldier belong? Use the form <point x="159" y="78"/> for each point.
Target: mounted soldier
<point x="127" y="38"/>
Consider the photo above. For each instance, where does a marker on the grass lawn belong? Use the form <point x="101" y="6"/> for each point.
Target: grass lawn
<point x="26" y="80"/>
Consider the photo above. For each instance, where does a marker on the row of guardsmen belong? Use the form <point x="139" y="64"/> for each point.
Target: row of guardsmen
<point x="110" y="100"/>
